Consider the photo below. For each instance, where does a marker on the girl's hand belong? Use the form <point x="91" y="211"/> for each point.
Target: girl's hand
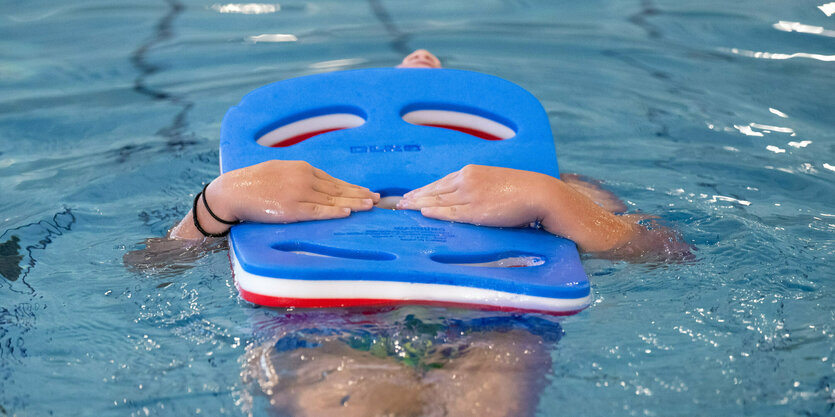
<point x="275" y="192"/>
<point x="504" y="197"/>
<point x="482" y="195"/>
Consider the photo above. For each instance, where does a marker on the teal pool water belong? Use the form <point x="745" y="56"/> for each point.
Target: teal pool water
<point x="717" y="117"/>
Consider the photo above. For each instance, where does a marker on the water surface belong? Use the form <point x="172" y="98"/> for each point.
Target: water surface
<point x="716" y="116"/>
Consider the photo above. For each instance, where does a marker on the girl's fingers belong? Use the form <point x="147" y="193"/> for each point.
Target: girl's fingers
<point x="435" y="188"/>
<point x="431" y="190"/>
<point x="457" y="213"/>
<point x="436" y="200"/>
<point x="441" y="186"/>
<point x="340" y="190"/>
<point x="355" y="204"/>
<point x="343" y="188"/>
<point x="313" y="211"/>
<point x="322" y="175"/>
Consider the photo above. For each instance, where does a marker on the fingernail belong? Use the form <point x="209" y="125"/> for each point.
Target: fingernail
<point x="367" y="201"/>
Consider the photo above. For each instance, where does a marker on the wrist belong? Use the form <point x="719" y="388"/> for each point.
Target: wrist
<point x="207" y="221"/>
<point x="218" y="198"/>
<point x="560" y="211"/>
<point x="546" y="201"/>
<point x="200" y="215"/>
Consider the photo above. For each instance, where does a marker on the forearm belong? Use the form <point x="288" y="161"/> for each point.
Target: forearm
<point x="185" y="229"/>
<point x="571" y="214"/>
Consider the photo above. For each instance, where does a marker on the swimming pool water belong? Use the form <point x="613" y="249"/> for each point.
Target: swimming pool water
<point x="716" y="116"/>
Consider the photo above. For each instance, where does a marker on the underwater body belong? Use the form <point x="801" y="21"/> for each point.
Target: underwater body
<point x="715" y="117"/>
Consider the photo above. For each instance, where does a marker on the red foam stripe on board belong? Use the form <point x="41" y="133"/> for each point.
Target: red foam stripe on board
<point x="269" y="301"/>
<point x="304" y="136"/>
<point x="474" y="132"/>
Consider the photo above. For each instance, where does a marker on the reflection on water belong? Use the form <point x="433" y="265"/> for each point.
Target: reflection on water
<point x="778" y="112"/>
<point x="19" y="246"/>
<point x="338" y="64"/>
<point x="246" y="8"/>
<point x="273" y="37"/>
<point x="775" y="55"/>
<point x="801" y="28"/>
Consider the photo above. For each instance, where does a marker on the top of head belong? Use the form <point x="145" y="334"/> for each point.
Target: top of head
<point x="390" y="127"/>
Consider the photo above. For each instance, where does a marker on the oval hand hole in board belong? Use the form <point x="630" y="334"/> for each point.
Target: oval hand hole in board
<point x="304" y="126"/>
<point x="491" y="260"/>
<point x="462" y="121"/>
<point x="312" y="249"/>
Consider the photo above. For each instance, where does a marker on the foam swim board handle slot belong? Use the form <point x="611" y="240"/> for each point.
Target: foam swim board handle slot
<point x="333" y="252"/>
<point x="472" y="124"/>
<point x="506" y="259"/>
<point x="295" y="132"/>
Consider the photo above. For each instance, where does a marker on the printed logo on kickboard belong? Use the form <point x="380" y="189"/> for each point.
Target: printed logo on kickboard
<point x="385" y="148"/>
<point x="402" y="233"/>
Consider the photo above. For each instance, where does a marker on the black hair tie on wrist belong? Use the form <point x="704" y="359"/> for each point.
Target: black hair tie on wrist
<point x="211" y="213"/>
<point x="197" y="222"/>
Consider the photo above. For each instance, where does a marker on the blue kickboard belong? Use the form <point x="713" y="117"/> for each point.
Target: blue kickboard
<point x="391" y="156"/>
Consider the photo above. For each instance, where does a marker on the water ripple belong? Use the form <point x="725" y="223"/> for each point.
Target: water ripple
<point x="34" y="237"/>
